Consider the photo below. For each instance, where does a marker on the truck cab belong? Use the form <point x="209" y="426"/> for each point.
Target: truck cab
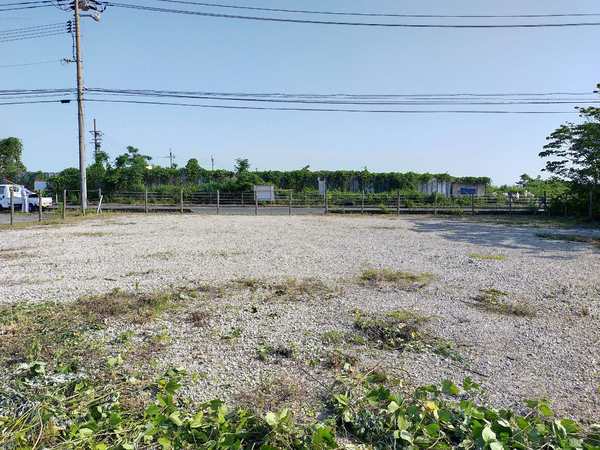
<point x="21" y="195"/>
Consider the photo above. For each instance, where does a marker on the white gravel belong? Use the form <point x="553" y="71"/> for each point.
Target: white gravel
<point x="555" y="354"/>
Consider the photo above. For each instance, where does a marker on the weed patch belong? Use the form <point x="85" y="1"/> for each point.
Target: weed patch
<point x="163" y="256"/>
<point x="493" y="300"/>
<point x="290" y="289"/>
<point x="92" y="234"/>
<point x="273" y="394"/>
<point x="393" y="330"/>
<point x="405" y="280"/>
<point x="47" y="332"/>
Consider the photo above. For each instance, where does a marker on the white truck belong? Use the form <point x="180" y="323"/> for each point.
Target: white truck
<point x="23" y="199"/>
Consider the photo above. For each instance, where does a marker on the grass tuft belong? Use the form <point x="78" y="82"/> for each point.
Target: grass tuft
<point x="395" y="329"/>
<point x="492" y="300"/>
<point x="402" y="279"/>
<point x="487" y="257"/>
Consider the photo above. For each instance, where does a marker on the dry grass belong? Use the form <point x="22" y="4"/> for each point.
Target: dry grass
<point x="395" y="329"/>
<point x="483" y="257"/>
<point x="274" y="393"/>
<point x="200" y="318"/>
<point x="164" y="256"/>
<point x="92" y="234"/>
<point x="290" y="289"/>
<point x="13" y="254"/>
<point x="405" y="280"/>
<point x="46" y="331"/>
<point x="492" y="300"/>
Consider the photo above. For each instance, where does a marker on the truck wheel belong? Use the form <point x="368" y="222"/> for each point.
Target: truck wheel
<point x="32" y="207"/>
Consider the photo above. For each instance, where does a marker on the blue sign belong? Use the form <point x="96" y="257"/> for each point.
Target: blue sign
<point x="468" y="190"/>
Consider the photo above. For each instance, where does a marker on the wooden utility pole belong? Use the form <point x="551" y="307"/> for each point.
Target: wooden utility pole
<point x="80" y="112"/>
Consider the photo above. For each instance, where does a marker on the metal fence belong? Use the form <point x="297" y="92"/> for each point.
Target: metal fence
<point x="307" y="202"/>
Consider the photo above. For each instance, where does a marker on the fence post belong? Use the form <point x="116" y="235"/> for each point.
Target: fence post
<point x="435" y="204"/>
<point x="218" y="201"/>
<point x="362" y="202"/>
<point x="145" y="200"/>
<point x="326" y="200"/>
<point x="255" y="204"/>
<point x="181" y="201"/>
<point x="398" y="204"/>
<point x="510" y="204"/>
<point x="64" y="205"/>
<point x="472" y="204"/>
<point x="12" y="206"/>
<point x="39" y="206"/>
<point x="545" y="203"/>
<point x="290" y="208"/>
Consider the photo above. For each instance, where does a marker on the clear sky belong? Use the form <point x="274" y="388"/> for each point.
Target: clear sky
<point x="143" y="50"/>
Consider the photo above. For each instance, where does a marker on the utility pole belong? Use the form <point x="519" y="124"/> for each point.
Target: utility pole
<point x="97" y="140"/>
<point x="80" y="112"/>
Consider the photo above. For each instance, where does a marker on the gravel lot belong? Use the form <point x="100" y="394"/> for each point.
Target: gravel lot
<point x="554" y="355"/>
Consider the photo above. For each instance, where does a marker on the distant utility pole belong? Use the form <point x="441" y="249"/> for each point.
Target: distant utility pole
<point x="80" y="112"/>
<point x="96" y="140"/>
<point x="171" y="158"/>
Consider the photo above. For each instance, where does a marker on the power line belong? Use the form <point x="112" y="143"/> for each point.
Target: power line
<point x="34" y="28"/>
<point x="377" y="14"/>
<point x="259" y="108"/>
<point x="36" y="63"/>
<point x="33" y="36"/>
<point x="20" y="8"/>
<point x="347" y="110"/>
<point x="429" y="101"/>
<point x="359" y="24"/>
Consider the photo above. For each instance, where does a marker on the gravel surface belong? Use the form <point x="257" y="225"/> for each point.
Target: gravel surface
<point x="554" y="354"/>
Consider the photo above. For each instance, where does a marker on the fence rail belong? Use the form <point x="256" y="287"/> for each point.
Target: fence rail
<point x="313" y="202"/>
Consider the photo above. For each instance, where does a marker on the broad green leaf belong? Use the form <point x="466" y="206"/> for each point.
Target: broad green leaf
<point x="487" y="434"/>
<point x="271" y="419"/>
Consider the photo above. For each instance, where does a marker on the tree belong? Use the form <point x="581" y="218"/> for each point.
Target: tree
<point x="575" y="153"/>
<point x="11" y="165"/>
<point x="130" y="168"/>
<point x="193" y="170"/>
<point x="242" y="165"/>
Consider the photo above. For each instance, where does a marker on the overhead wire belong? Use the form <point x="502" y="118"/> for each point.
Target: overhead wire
<point x="36" y="63"/>
<point x="378" y="14"/>
<point x="345" y="23"/>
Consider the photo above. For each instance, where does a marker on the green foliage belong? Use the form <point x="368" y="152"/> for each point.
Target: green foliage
<point x="445" y="417"/>
<point x="573" y="151"/>
<point x="78" y="413"/>
<point x="11" y="166"/>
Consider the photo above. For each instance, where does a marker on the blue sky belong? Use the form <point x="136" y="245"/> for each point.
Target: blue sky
<point x="130" y="49"/>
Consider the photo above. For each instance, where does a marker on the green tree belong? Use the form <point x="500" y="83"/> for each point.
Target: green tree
<point x="242" y="165"/>
<point x="96" y="173"/>
<point x="131" y="168"/>
<point x="11" y="150"/>
<point x="574" y="152"/>
<point x="193" y="170"/>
